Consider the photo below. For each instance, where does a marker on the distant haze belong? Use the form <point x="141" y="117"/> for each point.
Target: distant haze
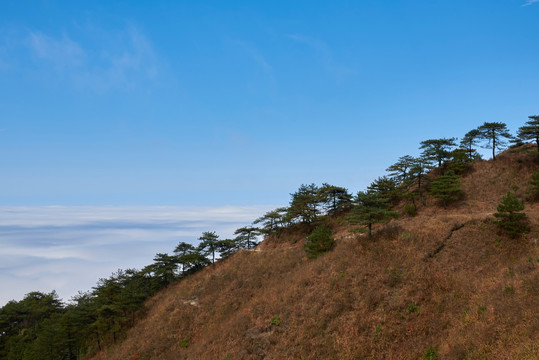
<point x="68" y="249"/>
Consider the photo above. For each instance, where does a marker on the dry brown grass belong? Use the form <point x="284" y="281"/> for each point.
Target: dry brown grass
<point x="391" y="297"/>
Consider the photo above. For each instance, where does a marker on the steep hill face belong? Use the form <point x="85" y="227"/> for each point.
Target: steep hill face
<point x="444" y="284"/>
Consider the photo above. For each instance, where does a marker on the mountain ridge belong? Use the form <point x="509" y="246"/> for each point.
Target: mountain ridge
<point x="444" y="284"/>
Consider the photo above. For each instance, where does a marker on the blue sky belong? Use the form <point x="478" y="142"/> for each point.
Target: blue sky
<point x="220" y="103"/>
<point x="233" y="104"/>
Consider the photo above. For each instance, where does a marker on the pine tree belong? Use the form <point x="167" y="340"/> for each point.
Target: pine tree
<point x="319" y="241"/>
<point x="273" y="220"/>
<point x="370" y="208"/>
<point x="446" y="187"/>
<point x="418" y="172"/>
<point x="247" y="236"/>
<point x="470" y="139"/>
<point x="183" y="251"/>
<point x="530" y="131"/>
<point x="227" y="247"/>
<point x="209" y="244"/>
<point x="459" y="162"/>
<point x="304" y="204"/>
<point x="163" y="269"/>
<point x="385" y="188"/>
<point x="437" y="150"/>
<point x="336" y="199"/>
<point x="510" y="215"/>
<point x="400" y="171"/>
<point x="494" y="133"/>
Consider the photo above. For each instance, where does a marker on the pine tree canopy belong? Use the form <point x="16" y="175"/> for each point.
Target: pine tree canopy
<point x="530" y="131"/>
<point x="446" y="187"/>
<point x="370" y="208"/>
<point x="511" y="219"/>
<point x="494" y="133"/>
<point x="437" y="150"/>
<point x="470" y="139"/>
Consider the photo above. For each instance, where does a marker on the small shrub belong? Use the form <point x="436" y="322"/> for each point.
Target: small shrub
<point x="184" y="343"/>
<point x="481" y="309"/>
<point x="512" y="220"/>
<point x="447" y="188"/>
<point x="410" y="210"/>
<point x="407" y="235"/>
<point x="276" y="320"/>
<point x="412" y="308"/>
<point x="319" y="241"/>
<point x="430" y="354"/>
<point x="509" y="290"/>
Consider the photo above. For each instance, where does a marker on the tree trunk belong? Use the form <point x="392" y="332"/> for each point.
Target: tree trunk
<point x="419" y="187"/>
<point x="493" y="147"/>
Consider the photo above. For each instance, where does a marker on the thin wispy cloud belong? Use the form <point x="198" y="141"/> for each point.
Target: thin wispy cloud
<point x="125" y="60"/>
<point x="68" y="248"/>
<point x="259" y="59"/>
<point x="254" y="54"/>
<point x="530" y="2"/>
<point x="325" y="55"/>
<point x="61" y="52"/>
<point x="138" y="58"/>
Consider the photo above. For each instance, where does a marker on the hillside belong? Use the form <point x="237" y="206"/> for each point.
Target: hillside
<point x="444" y="284"/>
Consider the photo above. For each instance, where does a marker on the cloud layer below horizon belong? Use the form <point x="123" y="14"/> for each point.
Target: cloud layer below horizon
<point x="68" y="248"/>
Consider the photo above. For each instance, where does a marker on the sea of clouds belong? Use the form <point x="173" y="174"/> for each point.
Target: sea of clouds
<point x="68" y="248"/>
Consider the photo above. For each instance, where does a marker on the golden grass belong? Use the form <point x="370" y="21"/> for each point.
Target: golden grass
<point x="391" y="297"/>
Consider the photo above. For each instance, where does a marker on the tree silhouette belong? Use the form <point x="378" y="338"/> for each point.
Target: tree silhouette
<point x="530" y="131"/>
<point x="209" y="244"/>
<point x="437" y="150"/>
<point x="336" y="199"/>
<point x="470" y="139"/>
<point x="247" y="236"/>
<point x="400" y="171"/>
<point x="304" y="204"/>
<point x="494" y="133"/>
<point x="273" y="220"/>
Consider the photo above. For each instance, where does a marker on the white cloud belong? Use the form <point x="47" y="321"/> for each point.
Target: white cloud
<point x="138" y="57"/>
<point x="106" y="60"/>
<point x="68" y="248"/>
<point x="529" y="2"/>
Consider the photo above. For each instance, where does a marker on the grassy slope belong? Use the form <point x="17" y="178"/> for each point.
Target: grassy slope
<point x="389" y="298"/>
